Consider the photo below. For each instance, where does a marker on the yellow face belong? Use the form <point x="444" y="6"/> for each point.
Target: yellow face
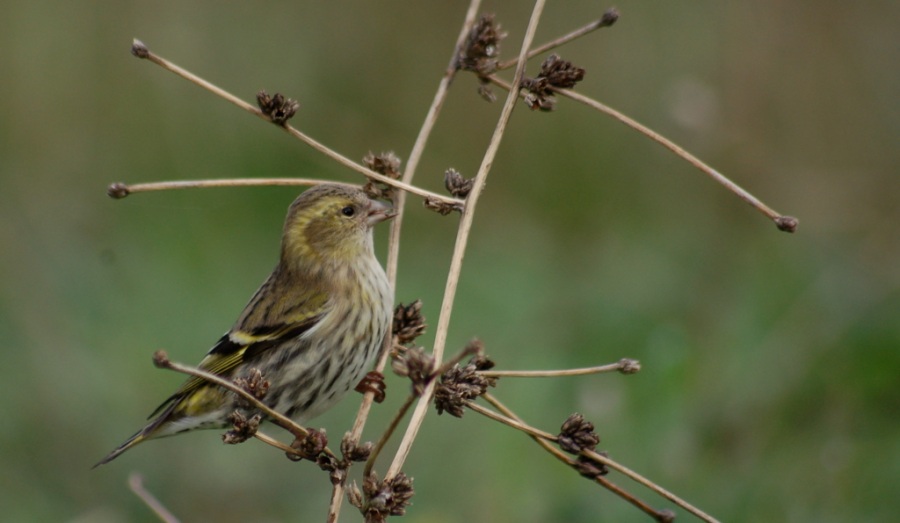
<point x="331" y="223"/>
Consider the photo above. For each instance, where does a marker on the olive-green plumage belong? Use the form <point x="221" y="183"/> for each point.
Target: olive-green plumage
<point x="313" y="328"/>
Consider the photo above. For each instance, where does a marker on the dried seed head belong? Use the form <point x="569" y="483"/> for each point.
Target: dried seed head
<point x="139" y="49"/>
<point x="787" y="223"/>
<point x="629" y="366"/>
<point x="161" y="359"/>
<point x="310" y="446"/>
<point x="278" y="108"/>
<point x="253" y="383"/>
<point x="324" y="461"/>
<point x="387" y="164"/>
<point x="561" y="73"/>
<point x="665" y="515"/>
<point x="590" y="468"/>
<point x="353" y="451"/>
<point x="486" y="93"/>
<point x="354" y="496"/>
<point x="610" y="16"/>
<point x="386" y="498"/>
<point x="242" y="428"/>
<point x="441" y="207"/>
<point x="577" y="434"/>
<point x="409" y="323"/>
<point x="463" y="383"/>
<point x="482" y="47"/>
<point x="555" y="73"/>
<point x="457" y="184"/>
<point x="117" y="190"/>
<point x="415" y="365"/>
<point x="373" y="382"/>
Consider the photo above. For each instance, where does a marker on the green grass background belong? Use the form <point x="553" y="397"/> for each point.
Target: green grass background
<point x="769" y="389"/>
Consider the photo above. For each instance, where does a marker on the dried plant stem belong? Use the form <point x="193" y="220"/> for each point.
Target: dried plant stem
<point x="565" y="458"/>
<point x="141" y="51"/>
<point x="120" y="190"/>
<point x="418" y="149"/>
<point x="334" y="508"/>
<point x="388" y="432"/>
<point x="393" y="257"/>
<point x="675" y="148"/>
<point x="162" y="361"/>
<point x="459" y="248"/>
<point x="783" y="222"/>
<point x="612" y="367"/>
<point x="514" y="423"/>
<point x="269" y="440"/>
<point x="649" y="484"/>
<point x="136" y="484"/>
<point x="524" y="427"/>
<point x="608" y="19"/>
<point x="400" y="202"/>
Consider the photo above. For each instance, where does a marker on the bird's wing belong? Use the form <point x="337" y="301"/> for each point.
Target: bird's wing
<point x="244" y="342"/>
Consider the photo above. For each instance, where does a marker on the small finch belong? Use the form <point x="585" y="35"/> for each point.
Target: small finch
<point x="313" y="329"/>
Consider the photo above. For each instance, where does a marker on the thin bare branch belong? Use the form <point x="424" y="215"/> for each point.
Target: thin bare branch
<point x="608" y="19"/>
<point x="599" y="458"/>
<point x="269" y="440"/>
<point x="140" y="50"/>
<point x="136" y="484"/>
<point x="459" y="249"/>
<point x="565" y="458"/>
<point x="393" y="257"/>
<point x="337" y="498"/>
<point x="516" y="424"/>
<point x="120" y="190"/>
<point x="399" y="204"/>
<point x="625" y="366"/>
<point x="388" y="432"/>
<point x="783" y="222"/>
<point x="161" y="360"/>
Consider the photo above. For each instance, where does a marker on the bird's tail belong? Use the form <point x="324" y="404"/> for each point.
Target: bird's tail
<point x="142" y="435"/>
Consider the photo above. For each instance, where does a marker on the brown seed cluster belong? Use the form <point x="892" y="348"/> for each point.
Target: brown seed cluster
<point x="481" y="51"/>
<point x="577" y="434"/>
<point x="555" y="73"/>
<point x="278" y="108"/>
<point x="309" y="446"/>
<point x="373" y="382"/>
<point x="242" y="428"/>
<point x="337" y="469"/>
<point x="414" y="364"/>
<point x="590" y="468"/>
<point x="441" y="207"/>
<point x="381" y="499"/>
<point x="456" y="184"/>
<point x="409" y="323"/>
<point x="463" y="383"/>
<point x="787" y="223"/>
<point x="629" y="366"/>
<point x="253" y="383"/>
<point x="386" y="163"/>
<point x="353" y="451"/>
<point x="482" y="47"/>
<point x="117" y="190"/>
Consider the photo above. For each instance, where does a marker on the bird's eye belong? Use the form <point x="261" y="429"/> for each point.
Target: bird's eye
<point x="348" y="211"/>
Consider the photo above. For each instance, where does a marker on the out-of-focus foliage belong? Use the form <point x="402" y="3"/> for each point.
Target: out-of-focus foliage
<point x="771" y="361"/>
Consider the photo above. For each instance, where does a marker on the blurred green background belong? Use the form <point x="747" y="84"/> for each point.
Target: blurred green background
<point x="769" y="389"/>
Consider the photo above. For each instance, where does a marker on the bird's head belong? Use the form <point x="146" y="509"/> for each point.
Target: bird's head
<point x="331" y="224"/>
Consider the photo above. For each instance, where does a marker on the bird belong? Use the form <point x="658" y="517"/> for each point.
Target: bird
<point x="312" y="329"/>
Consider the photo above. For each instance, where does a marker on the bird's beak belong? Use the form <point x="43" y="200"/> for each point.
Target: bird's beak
<point x="379" y="212"/>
